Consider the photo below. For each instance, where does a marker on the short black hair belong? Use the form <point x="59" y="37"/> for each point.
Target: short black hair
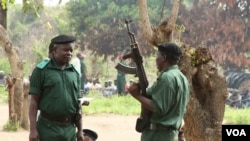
<point x="51" y="45"/>
<point x="171" y="50"/>
<point x="90" y="133"/>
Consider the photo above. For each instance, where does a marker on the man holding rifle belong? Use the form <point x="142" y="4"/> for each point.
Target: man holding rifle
<point x="168" y="96"/>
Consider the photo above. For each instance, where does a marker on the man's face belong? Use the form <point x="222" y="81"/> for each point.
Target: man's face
<point x="160" y="61"/>
<point x="63" y="53"/>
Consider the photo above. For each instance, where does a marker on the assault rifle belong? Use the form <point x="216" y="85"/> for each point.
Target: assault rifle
<point x="135" y="55"/>
<point x="138" y="71"/>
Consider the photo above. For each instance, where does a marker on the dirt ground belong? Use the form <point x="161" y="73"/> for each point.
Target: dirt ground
<point x="109" y="127"/>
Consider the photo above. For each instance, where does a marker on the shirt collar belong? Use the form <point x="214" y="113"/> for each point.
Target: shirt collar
<point x="169" y="68"/>
<point x="55" y="66"/>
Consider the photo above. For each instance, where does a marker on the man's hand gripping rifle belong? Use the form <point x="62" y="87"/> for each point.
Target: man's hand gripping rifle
<point x="138" y="71"/>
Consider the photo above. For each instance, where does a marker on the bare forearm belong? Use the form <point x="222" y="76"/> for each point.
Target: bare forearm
<point x="79" y="128"/>
<point x="79" y="125"/>
<point x="146" y="103"/>
<point x="33" y="113"/>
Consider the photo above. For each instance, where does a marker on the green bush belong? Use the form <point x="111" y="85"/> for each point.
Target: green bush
<point x="10" y="126"/>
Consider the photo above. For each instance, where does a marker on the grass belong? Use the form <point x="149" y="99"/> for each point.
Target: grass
<point x="127" y="105"/>
<point x="121" y="105"/>
<point x="11" y="126"/>
<point x="237" y="116"/>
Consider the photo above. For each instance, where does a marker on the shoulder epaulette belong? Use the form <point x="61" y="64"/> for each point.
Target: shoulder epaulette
<point x="42" y="64"/>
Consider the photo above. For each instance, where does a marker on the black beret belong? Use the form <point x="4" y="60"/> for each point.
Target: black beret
<point x="90" y="133"/>
<point x="171" y="49"/>
<point x="63" y="39"/>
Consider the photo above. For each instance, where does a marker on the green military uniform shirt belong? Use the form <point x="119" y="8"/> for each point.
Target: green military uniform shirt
<point x="58" y="89"/>
<point x="121" y="82"/>
<point x="170" y="95"/>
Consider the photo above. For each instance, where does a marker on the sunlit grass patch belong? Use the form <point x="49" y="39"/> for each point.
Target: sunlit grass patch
<point x="122" y="105"/>
<point x="237" y="116"/>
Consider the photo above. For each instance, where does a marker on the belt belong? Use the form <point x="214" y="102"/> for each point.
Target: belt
<point x="59" y="120"/>
<point x="153" y="126"/>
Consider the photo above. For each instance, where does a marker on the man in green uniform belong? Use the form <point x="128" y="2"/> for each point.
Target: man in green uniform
<point x="121" y="80"/>
<point x="55" y="90"/>
<point x="169" y="93"/>
<point x="83" y="69"/>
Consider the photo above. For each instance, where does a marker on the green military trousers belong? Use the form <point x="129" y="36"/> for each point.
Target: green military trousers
<point x="49" y="131"/>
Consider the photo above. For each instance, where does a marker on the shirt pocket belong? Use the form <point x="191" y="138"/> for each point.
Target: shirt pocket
<point x="51" y="88"/>
<point x="50" y="83"/>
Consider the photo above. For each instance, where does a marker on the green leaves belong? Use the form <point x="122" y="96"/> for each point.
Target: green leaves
<point x="33" y="6"/>
<point x="100" y="24"/>
<point x="4" y="3"/>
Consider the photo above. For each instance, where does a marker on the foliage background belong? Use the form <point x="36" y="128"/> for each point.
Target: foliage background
<point x="102" y="35"/>
<point x="31" y="35"/>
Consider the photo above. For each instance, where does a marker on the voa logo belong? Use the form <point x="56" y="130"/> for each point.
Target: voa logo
<point x="236" y="132"/>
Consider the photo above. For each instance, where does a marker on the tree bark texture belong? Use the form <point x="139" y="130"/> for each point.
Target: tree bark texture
<point x="206" y="106"/>
<point x="143" y="12"/>
<point x="162" y="33"/>
<point x="10" y="83"/>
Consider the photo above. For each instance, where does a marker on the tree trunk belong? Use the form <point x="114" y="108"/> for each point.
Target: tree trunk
<point x="206" y="106"/>
<point x="162" y="33"/>
<point x="146" y="26"/>
<point x="16" y="65"/>
<point x="10" y="83"/>
<point x="18" y="90"/>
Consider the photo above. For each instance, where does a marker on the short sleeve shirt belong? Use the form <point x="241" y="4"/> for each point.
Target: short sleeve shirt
<point x="170" y="95"/>
<point x="58" y="89"/>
